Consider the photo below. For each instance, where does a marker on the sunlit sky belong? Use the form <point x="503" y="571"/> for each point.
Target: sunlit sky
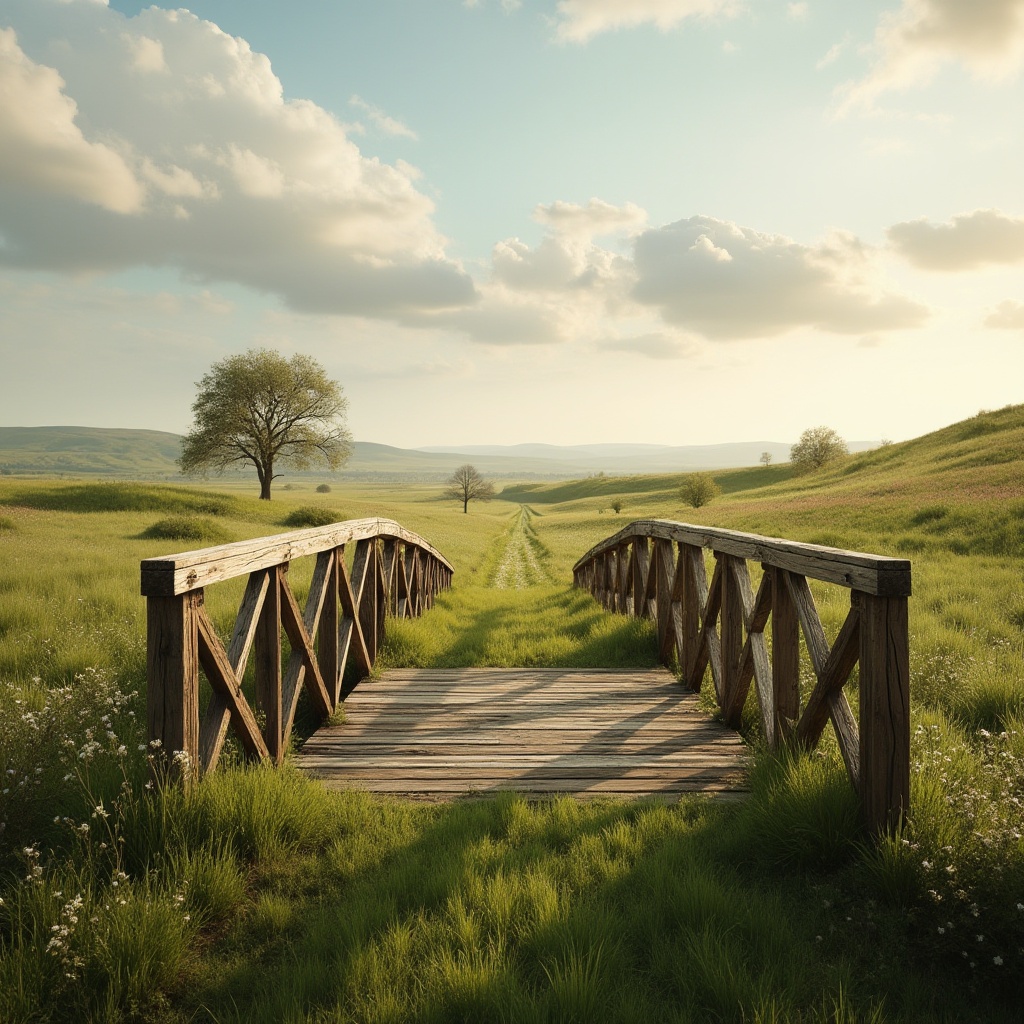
<point x="569" y="221"/>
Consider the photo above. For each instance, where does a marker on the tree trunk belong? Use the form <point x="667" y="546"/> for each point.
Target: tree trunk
<point x="266" y="475"/>
<point x="465" y="505"/>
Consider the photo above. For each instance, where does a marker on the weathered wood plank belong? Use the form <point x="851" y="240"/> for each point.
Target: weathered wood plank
<point x="185" y="571"/>
<point x="427" y="731"/>
<point x="885" y="712"/>
<point x="872" y="574"/>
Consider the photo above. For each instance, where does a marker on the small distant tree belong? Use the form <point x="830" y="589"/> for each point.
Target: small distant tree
<point x="466" y="484"/>
<point x="261" y="408"/>
<point x="323" y="489"/>
<point x="699" y="489"/>
<point x="616" y="506"/>
<point x="816" y="447"/>
<point x="766" y="458"/>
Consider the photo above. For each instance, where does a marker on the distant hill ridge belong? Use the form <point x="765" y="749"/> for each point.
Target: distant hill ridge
<point x="151" y="454"/>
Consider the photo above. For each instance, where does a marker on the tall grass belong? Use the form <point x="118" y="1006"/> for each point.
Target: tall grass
<point x="257" y="895"/>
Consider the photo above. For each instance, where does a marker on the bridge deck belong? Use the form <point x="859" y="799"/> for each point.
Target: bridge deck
<point x="437" y="734"/>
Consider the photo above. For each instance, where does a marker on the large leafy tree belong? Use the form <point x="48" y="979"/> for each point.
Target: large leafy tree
<point x="466" y="484"/>
<point x="262" y="408"/>
<point x="817" y="446"/>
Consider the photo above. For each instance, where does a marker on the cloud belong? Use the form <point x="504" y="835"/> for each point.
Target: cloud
<point x="591" y="220"/>
<point x="970" y="240"/>
<point x="723" y="281"/>
<point x="797" y="11"/>
<point x="384" y="123"/>
<point x="42" y="149"/>
<point x="1008" y="316"/>
<point x="913" y="43"/>
<point x="831" y="55"/>
<point x="655" y="346"/>
<point x="578" y="21"/>
<point x="203" y="166"/>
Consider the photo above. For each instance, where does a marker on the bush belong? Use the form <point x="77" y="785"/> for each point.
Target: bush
<point x="185" y="527"/>
<point x="311" y="515"/>
<point x="699" y="489"/>
<point x="6" y="523"/>
<point x="616" y="506"/>
<point x="323" y="489"/>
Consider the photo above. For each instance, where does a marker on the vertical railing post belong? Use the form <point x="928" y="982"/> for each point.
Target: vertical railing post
<point x="641" y="566"/>
<point x="172" y="674"/>
<point x="268" y="665"/>
<point x="884" y="711"/>
<point x="692" y="610"/>
<point x="327" y="638"/>
<point x="785" y="655"/>
<point x="732" y="639"/>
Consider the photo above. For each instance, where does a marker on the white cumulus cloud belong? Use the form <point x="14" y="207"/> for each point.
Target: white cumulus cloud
<point x="580" y="20"/>
<point x="723" y="281"/>
<point x="914" y="42"/>
<point x="970" y="240"/>
<point x="43" y="151"/>
<point x="203" y="165"/>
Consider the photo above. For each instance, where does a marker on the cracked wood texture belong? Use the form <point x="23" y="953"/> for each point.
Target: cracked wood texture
<point x="721" y="626"/>
<point x="435" y="734"/>
<point x="394" y="572"/>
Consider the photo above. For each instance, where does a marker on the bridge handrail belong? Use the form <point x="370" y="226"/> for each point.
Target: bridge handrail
<point x="394" y="572"/>
<point x="655" y="568"/>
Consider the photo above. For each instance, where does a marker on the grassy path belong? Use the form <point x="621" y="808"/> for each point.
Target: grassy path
<point x="520" y="567"/>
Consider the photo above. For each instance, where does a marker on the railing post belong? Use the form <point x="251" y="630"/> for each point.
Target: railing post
<point x="884" y="711"/>
<point x="785" y="655"/>
<point x="268" y="665"/>
<point x="641" y="567"/>
<point x="732" y="639"/>
<point x="172" y="674"/>
<point x="692" y="611"/>
<point x="327" y="639"/>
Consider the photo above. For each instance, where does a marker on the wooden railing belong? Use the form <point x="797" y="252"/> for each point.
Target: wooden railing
<point x="393" y="572"/>
<point x="656" y="568"/>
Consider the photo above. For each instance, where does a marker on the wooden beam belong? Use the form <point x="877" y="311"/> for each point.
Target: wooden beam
<point x="186" y="571"/>
<point x="268" y="665"/>
<point x="884" y="712"/>
<point x="872" y="574"/>
<point x="172" y="676"/>
<point x="785" y="654"/>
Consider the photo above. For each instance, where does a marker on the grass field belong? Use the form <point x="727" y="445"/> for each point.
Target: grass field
<point x="258" y="896"/>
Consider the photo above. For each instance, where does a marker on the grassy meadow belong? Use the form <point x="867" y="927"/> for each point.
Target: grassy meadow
<point x="258" y="896"/>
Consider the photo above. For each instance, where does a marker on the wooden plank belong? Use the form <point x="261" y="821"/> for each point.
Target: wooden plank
<point x="268" y="665"/>
<point x="841" y="659"/>
<point x="303" y="669"/>
<point x="172" y="675"/>
<point x="246" y="621"/>
<point x="807" y="613"/>
<point x="226" y="686"/>
<point x="785" y="655"/>
<point x="185" y="571"/>
<point x="328" y="633"/>
<point x="448" y="732"/>
<point x="733" y="690"/>
<point x="884" y="712"/>
<point x="872" y="574"/>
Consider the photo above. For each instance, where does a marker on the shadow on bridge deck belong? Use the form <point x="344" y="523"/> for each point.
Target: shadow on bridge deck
<point x="438" y="734"/>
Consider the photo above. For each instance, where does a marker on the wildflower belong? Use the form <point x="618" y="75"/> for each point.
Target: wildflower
<point x="998" y="961"/>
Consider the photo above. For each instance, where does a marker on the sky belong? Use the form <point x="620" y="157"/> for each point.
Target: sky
<point x="506" y="221"/>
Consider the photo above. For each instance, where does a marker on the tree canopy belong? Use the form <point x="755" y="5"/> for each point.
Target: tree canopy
<point x="817" y="445"/>
<point x="262" y="408"/>
<point x="466" y="484"/>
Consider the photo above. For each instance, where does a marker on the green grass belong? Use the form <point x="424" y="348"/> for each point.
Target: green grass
<point x="257" y="895"/>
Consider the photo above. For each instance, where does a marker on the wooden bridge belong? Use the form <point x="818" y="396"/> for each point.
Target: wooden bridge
<point x="437" y="734"/>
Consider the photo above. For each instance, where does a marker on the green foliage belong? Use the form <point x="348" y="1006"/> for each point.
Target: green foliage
<point x="323" y="489"/>
<point x="699" y="489"/>
<point x="263" y="409"/>
<point x="7" y="524"/>
<point x="311" y="515"/>
<point x="817" y="447"/>
<point x="616" y="506"/>
<point x="186" y="527"/>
